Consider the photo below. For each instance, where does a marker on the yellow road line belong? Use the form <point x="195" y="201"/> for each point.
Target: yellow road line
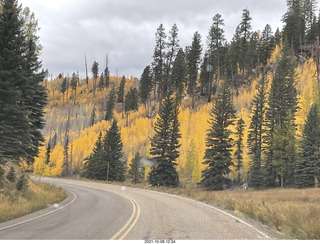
<point x="134" y="222"/>
<point x="125" y="226"/>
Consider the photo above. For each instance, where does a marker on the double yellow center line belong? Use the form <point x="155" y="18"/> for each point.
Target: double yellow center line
<point x="121" y="234"/>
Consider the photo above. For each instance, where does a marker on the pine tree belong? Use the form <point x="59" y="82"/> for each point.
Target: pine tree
<point x="22" y="97"/>
<point x="171" y="54"/>
<point x="113" y="152"/>
<point x="159" y="61"/>
<point x="257" y="133"/>
<point x="136" y="170"/>
<point x="165" y="145"/>
<point x="107" y="73"/>
<point x="205" y="75"/>
<point x="64" y="87"/>
<point x="193" y="61"/>
<point x="74" y="85"/>
<point x="239" y="146"/>
<point x="110" y="105"/>
<point x="218" y="142"/>
<point x="145" y="85"/>
<point x="121" y="90"/>
<point x="22" y="184"/>
<point x="93" y="166"/>
<point x="93" y="116"/>
<point x="11" y="176"/>
<point x="95" y="74"/>
<point x="101" y="82"/>
<point x="282" y="109"/>
<point x="307" y="165"/>
<point x="48" y="154"/>
<point x="245" y="36"/>
<point x="216" y="41"/>
<point x="266" y="44"/>
<point x="179" y="73"/>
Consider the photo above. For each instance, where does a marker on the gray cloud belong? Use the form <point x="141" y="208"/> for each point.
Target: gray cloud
<point x="125" y="28"/>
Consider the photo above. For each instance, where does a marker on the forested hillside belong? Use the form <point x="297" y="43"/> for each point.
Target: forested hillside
<point x="272" y="79"/>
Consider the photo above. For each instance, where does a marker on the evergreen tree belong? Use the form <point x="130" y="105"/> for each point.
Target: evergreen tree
<point x="136" y="170"/>
<point x="93" y="166"/>
<point x="93" y="116"/>
<point x="1" y="173"/>
<point x="121" y="90"/>
<point x="266" y="44"/>
<point x="48" y="153"/>
<point x="245" y="36"/>
<point x="205" y="75"/>
<point x="74" y="85"/>
<point x="216" y="41"/>
<point x="218" y="142"/>
<point x="165" y="145"/>
<point x="282" y="108"/>
<point x="159" y="61"/>
<point x="110" y="105"/>
<point x="294" y="26"/>
<point x="131" y="100"/>
<point x="113" y="152"/>
<point x="306" y="167"/>
<point x="11" y="176"/>
<point x="95" y="74"/>
<point x="239" y="146"/>
<point x="257" y="133"/>
<point x="178" y="76"/>
<point x="22" y="184"/>
<point x="22" y="97"/>
<point x="171" y="54"/>
<point x="101" y="82"/>
<point x="64" y="87"/>
<point x="193" y="61"/>
<point x="145" y="85"/>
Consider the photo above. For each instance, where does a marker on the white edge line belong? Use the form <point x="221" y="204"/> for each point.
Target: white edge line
<point x="209" y="206"/>
<point x="38" y="217"/>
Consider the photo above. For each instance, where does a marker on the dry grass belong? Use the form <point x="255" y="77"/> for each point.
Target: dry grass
<point x="293" y="212"/>
<point x="14" y="204"/>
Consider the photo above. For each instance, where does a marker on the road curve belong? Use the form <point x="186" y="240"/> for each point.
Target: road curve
<point x="101" y="211"/>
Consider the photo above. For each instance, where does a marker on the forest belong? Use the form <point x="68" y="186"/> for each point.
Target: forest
<point x="219" y="113"/>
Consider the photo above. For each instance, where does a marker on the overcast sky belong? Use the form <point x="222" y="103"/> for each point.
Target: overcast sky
<point x="125" y="29"/>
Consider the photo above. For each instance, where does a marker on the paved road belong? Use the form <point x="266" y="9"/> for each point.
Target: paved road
<point x="101" y="211"/>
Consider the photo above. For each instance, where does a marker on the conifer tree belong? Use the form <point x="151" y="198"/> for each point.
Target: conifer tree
<point x="110" y="105"/>
<point x="107" y="73"/>
<point x="239" y="146"/>
<point x="205" y="75"/>
<point x="283" y="105"/>
<point x="74" y="85"/>
<point x="257" y="132"/>
<point x="178" y="76"/>
<point x="48" y="153"/>
<point x="121" y="90"/>
<point x="11" y="176"/>
<point x="93" y="116"/>
<point x="64" y="87"/>
<point x="22" y="97"/>
<point x="218" y="142"/>
<point x="95" y="74"/>
<point x="136" y="170"/>
<point x="93" y="166"/>
<point x="145" y="85"/>
<point x="158" y="64"/>
<point x="22" y="184"/>
<point x="193" y="61"/>
<point x="307" y="165"/>
<point x="113" y="153"/>
<point x="165" y="145"/>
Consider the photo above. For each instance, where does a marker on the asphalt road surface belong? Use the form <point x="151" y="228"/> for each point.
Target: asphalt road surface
<point x="108" y="212"/>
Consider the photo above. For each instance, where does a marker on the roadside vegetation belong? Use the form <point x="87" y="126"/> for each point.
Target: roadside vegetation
<point x="20" y="196"/>
<point x="290" y="213"/>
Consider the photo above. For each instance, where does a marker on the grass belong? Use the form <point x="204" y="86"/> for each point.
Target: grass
<point x="293" y="212"/>
<point x="15" y="203"/>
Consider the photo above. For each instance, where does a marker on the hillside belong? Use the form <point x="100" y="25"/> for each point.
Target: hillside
<point x="135" y="136"/>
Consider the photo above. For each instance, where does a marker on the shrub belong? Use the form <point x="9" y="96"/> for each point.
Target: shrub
<point x="22" y="184"/>
<point x="11" y="176"/>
